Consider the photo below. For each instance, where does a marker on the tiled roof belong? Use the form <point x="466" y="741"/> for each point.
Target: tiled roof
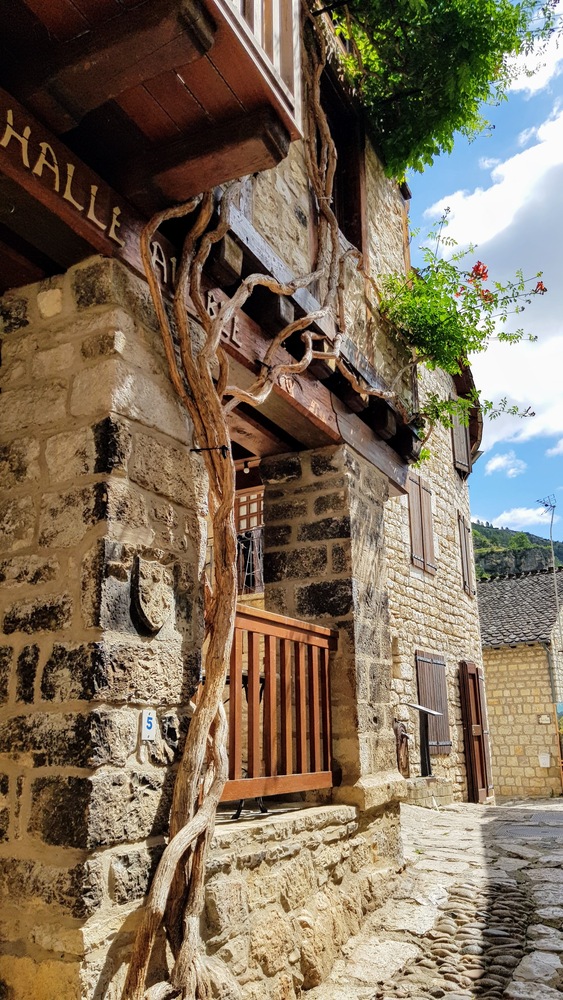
<point x="520" y="608"/>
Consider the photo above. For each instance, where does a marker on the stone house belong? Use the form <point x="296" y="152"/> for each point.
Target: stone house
<point x="522" y="653"/>
<point x="109" y="114"/>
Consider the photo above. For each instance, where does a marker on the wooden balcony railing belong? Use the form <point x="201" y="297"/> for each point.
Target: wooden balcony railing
<point x="278" y="705"/>
<point x="271" y="29"/>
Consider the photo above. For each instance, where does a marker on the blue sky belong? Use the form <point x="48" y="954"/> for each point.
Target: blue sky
<point x="505" y="194"/>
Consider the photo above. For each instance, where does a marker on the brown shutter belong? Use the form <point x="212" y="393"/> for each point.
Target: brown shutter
<point x="433" y="693"/>
<point x="466" y="554"/>
<point x="427" y="528"/>
<point x="415" y="521"/>
<point x="486" y="734"/>
<point x="420" y="519"/>
<point x="461" y="446"/>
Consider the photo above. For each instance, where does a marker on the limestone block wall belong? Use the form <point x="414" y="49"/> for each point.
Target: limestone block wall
<point x="101" y="519"/>
<point x="284" y="895"/>
<point x="432" y="612"/>
<point x="324" y="561"/>
<point x="520" y="701"/>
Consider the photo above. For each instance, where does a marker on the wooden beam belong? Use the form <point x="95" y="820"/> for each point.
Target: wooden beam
<point x="254" y="437"/>
<point x="77" y="76"/>
<point x="40" y="170"/>
<point x="208" y="157"/>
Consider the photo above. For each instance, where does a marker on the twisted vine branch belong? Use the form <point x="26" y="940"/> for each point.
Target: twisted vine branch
<point x="199" y="372"/>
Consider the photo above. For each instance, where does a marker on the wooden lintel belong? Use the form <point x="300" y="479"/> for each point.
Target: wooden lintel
<point x="77" y="76"/>
<point x="254" y="437"/>
<point x="299" y="404"/>
<point x="218" y="153"/>
<point x="97" y="219"/>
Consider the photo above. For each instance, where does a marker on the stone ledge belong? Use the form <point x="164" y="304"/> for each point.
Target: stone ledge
<point x="373" y="791"/>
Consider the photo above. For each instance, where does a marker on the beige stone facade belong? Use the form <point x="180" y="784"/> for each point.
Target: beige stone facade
<point x="431" y="611"/>
<point x="103" y="538"/>
<point x="524" y="739"/>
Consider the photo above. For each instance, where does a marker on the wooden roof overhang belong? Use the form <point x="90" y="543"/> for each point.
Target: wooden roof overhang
<point x="156" y="94"/>
<point x="56" y="208"/>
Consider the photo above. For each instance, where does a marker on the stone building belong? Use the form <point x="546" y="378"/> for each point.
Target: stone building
<point x="433" y="613"/>
<point x="522" y="653"/>
<point x="111" y="112"/>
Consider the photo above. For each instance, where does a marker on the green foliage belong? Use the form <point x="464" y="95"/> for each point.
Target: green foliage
<point x="519" y="540"/>
<point x="423" y="69"/>
<point x="489" y="541"/>
<point x="447" y="310"/>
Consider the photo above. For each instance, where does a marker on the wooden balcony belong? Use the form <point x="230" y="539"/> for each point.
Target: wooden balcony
<point x="162" y="99"/>
<point x="278" y="706"/>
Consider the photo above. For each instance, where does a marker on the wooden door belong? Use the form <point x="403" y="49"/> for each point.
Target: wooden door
<point x="475" y="731"/>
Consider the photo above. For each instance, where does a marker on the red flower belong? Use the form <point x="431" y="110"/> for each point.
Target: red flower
<point x="487" y="296"/>
<point x="540" y="288"/>
<point x="480" y="271"/>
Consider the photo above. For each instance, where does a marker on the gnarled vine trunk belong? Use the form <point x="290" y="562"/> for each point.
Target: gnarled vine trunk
<point x="200" y="374"/>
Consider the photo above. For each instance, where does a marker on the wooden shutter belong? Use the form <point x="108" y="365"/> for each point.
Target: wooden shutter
<point x="427" y="528"/>
<point x="433" y="693"/>
<point x="421" y="529"/>
<point x="415" y="521"/>
<point x="486" y="732"/>
<point x="475" y="732"/>
<point x="461" y="446"/>
<point x="466" y="553"/>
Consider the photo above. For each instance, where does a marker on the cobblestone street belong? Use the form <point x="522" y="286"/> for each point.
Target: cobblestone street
<point x="477" y="912"/>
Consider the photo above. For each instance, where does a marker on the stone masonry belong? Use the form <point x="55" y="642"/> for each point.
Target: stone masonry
<point x="522" y="721"/>
<point x="324" y="561"/>
<point x="432" y="612"/>
<point x="101" y="511"/>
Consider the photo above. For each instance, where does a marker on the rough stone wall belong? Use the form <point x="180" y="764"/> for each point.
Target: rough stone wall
<point x="324" y="561"/>
<point x="284" y="895"/>
<point x="283" y="193"/>
<point x="518" y="694"/>
<point x="432" y="613"/>
<point x="556" y="654"/>
<point x="101" y="513"/>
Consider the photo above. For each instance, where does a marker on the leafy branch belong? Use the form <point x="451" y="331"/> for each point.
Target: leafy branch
<point x="422" y="70"/>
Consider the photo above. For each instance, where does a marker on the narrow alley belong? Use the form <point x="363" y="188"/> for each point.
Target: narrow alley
<point x="477" y="912"/>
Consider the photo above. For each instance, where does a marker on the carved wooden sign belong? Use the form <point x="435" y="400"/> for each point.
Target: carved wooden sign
<point x="47" y="171"/>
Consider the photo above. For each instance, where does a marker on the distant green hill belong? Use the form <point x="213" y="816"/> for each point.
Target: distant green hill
<point x="499" y="551"/>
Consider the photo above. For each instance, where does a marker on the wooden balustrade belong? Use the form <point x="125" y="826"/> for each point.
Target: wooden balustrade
<point x="274" y="25"/>
<point x="278" y="705"/>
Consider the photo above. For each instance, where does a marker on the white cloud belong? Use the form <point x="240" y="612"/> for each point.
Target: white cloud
<point x="488" y="162"/>
<point x="535" y="73"/>
<point x="482" y="214"/>
<point x="522" y="517"/>
<point x="556" y="450"/>
<point x="507" y="463"/>
<point x="527" y="135"/>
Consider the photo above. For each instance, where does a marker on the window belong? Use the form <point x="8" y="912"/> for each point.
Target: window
<point x="349" y="180"/>
<point x="249" y="519"/>
<point x="461" y="447"/>
<point x="433" y="693"/>
<point x="420" y="518"/>
<point x="466" y="551"/>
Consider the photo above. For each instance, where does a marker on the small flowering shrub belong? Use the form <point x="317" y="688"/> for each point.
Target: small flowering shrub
<point x="448" y="310"/>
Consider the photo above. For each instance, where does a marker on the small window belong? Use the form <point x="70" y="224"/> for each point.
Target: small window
<point x="466" y="550"/>
<point x="461" y="447"/>
<point x="249" y="519"/>
<point x="349" y="180"/>
<point x="420" y="519"/>
<point x="433" y="693"/>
